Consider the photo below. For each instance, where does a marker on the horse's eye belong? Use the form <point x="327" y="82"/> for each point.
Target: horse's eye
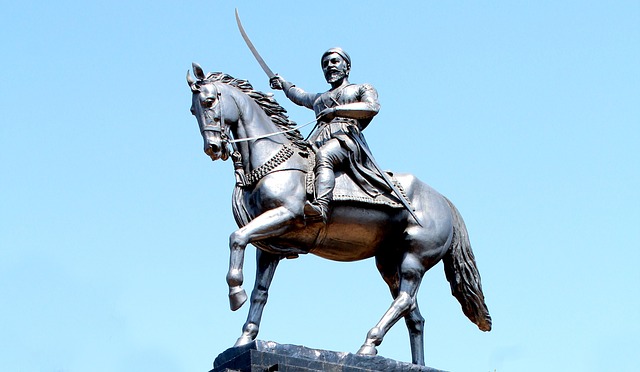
<point x="208" y="102"/>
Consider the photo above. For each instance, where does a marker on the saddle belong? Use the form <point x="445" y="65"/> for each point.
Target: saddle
<point x="347" y="190"/>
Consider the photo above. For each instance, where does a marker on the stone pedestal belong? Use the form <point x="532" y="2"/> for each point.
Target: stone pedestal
<point x="269" y="356"/>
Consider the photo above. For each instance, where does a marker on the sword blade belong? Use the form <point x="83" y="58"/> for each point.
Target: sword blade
<point x="253" y="50"/>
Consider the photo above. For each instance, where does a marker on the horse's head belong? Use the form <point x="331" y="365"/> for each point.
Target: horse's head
<point x="215" y="112"/>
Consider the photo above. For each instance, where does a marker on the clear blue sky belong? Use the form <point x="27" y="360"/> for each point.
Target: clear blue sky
<point x="114" y="224"/>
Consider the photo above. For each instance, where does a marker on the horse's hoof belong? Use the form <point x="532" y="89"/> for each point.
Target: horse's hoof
<point x="242" y="341"/>
<point x="369" y="350"/>
<point x="237" y="298"/>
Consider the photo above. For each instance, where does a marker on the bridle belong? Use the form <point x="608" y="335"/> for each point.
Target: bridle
<point x="214" y="122"/>
<point x="223" y="130"/>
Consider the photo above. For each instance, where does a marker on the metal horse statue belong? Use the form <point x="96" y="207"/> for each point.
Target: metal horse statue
<point x="271" y="162"/>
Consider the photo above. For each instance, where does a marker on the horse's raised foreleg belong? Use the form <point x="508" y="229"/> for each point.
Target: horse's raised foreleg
<point x="411" y="271"/>
<point x="271" y="223"/>
<point x="266" y="267"/>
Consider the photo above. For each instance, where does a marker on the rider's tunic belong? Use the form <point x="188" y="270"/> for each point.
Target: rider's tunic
<point x="345" y="130"/>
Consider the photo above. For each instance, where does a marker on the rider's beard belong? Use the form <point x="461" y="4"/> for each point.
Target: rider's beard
<point x="333" y="76"/>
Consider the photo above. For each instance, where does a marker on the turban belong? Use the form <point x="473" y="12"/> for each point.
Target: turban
<point x="339" y="51"/>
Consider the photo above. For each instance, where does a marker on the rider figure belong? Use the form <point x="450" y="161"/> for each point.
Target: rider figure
<point x="342" y="112"/>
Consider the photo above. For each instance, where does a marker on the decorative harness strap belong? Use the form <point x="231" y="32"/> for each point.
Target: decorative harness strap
<point x="257" y="174"/>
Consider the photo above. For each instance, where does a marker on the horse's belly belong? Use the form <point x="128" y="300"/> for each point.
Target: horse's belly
<point x="353" y="233"/>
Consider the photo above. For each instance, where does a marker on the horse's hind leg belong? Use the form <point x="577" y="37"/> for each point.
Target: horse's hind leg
<point x="411" y="271"/>
<point x="388" y="266"/>
<point x="266" y="267"/>
<point x="415" y="325"/>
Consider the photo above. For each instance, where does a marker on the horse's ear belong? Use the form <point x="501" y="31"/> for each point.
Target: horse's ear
<point x="190" y="80"/>
<point x="197" y="70"/>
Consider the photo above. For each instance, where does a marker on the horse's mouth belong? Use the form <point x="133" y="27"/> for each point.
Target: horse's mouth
<point x="215" y="155"/>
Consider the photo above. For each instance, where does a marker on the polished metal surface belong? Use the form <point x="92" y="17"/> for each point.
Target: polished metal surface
<point x="270" y="210"/>
<point x="253" y="49"/>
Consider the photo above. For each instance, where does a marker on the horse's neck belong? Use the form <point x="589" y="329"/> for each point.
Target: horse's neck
<point x="254" y="122"/>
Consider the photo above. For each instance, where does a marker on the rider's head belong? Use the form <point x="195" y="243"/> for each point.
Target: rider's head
<point x="336" y="65"/>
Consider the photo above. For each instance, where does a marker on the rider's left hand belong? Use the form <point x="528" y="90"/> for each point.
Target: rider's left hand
<point x="327" y="114"/>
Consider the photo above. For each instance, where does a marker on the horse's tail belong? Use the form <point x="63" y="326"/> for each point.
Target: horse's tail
<point x="463" y="276"/>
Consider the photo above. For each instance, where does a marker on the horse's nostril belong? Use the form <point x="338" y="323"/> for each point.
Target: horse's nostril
<point x="211" y="150"/>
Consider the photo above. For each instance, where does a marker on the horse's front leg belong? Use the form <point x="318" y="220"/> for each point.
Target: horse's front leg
<point x="266" y="267"/>
<point x="271" y="223"/>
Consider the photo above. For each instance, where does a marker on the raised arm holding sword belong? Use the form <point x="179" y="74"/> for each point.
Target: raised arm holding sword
<point x="342" y="112"/>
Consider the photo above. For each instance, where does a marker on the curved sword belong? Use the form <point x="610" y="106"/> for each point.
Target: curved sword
<point x="255" y="53"/>
<point x="270" y="74"/>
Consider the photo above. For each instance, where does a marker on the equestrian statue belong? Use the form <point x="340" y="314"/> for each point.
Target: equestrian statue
<point x="328" y="197"/>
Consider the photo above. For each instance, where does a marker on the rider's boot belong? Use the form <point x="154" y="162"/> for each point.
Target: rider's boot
<point x="325" y="183"/>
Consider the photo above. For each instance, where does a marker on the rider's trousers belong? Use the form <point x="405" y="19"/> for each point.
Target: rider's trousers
<point x="331" y="155"/>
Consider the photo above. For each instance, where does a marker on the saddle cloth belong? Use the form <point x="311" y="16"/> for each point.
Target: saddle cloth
<point x="346" y="189"/>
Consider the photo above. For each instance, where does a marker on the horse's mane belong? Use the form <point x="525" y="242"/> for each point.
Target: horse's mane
<point x="267" y="103"/>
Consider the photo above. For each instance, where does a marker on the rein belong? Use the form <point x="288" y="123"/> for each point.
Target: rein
<point x="271" y="134"/>
<point x="221" y="129"/>
<point x="248" y="180"/>
<point x="224" y="130"/>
